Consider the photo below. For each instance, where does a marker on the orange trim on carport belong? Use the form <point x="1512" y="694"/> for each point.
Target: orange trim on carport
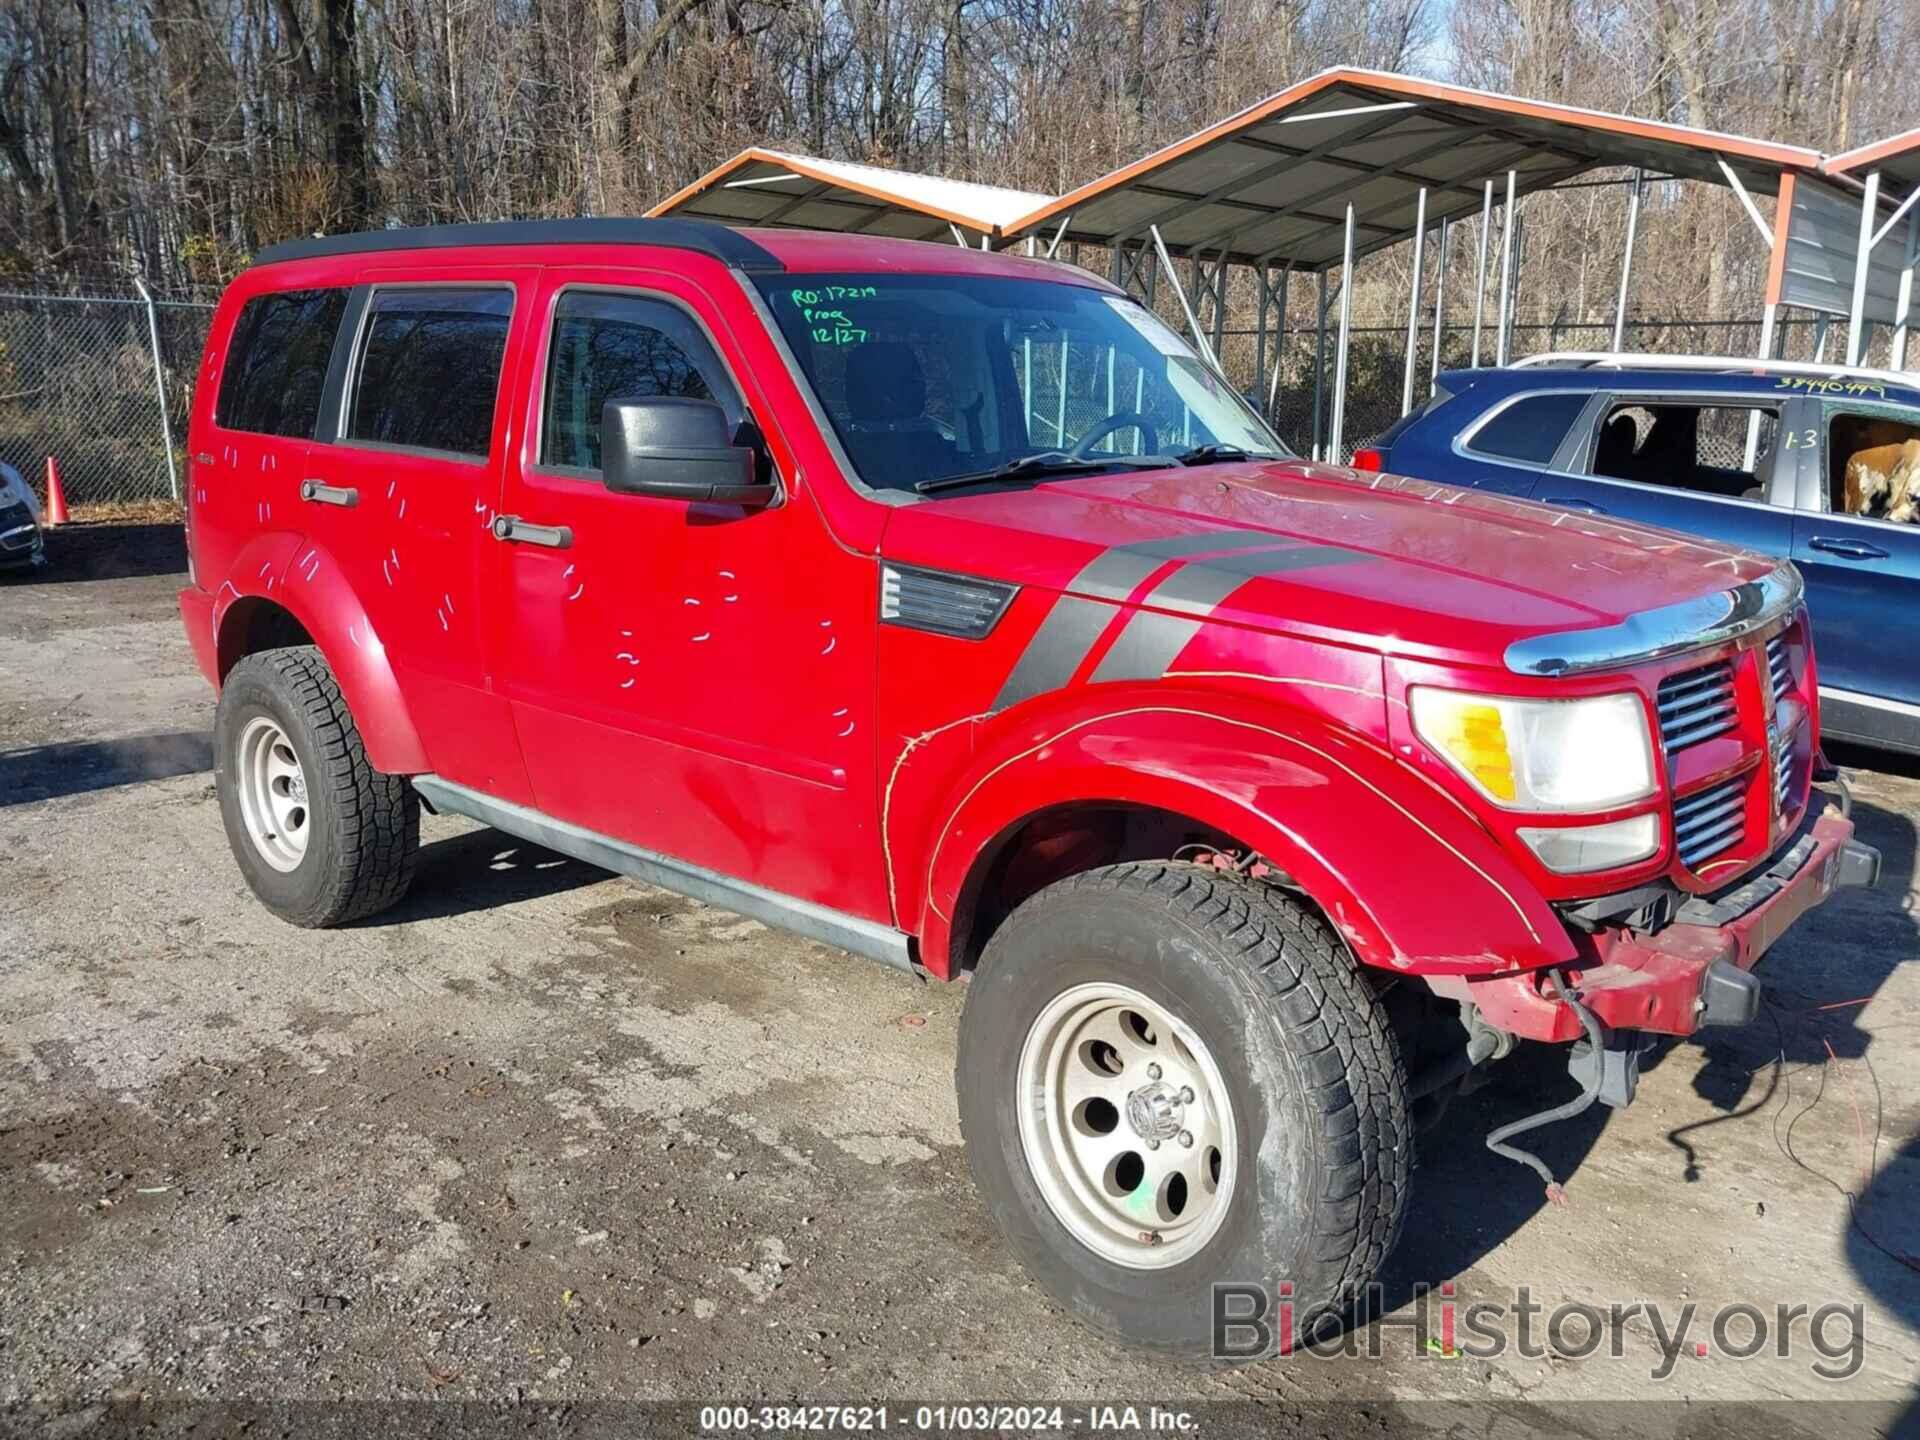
<point x="1905" y="142"/>
<point x="1708" y="142"/>
<point x="796" y="165"/>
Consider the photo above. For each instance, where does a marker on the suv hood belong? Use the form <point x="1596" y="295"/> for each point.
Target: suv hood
<point x="1405" y="567"/>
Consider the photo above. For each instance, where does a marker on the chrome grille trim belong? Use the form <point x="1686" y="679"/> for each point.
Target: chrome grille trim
<point x="1696" y="705"/>
<point x="1782" y="778"/>
<point x="1695" y="624"/>
<point x="1779" y="668"/>
<point x="1710" y="822"/>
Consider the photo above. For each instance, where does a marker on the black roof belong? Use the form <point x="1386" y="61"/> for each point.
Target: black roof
<point x="722" y="242"/>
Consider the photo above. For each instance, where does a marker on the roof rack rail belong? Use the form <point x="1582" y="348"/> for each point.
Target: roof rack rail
<point x="722" y="242"/>
<point x="1638" y="360"/>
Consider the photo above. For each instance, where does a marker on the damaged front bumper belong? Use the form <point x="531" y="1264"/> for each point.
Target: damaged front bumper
<point x="1696" y="971"/>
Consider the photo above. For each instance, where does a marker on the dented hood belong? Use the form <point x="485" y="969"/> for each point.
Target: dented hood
<point x="1407" y="567"/>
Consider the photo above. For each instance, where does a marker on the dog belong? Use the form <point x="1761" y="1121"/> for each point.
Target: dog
<point x="1884" y="482"/>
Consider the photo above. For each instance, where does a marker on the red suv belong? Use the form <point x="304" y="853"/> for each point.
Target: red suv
<point x="946" y="607"/>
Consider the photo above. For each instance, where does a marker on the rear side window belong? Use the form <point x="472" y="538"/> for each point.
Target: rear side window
<point x="1530" y="430"/>
<point x="429" y="369"/>
<point x="277" y="364"/>
<point x="619" y="347"/>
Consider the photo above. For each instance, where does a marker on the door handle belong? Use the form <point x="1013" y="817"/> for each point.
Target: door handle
<point x="1847" y="549"/>
<point x="1567" y="502"/>
<point x="318" y="494"/>
<point x="520" y="532"/>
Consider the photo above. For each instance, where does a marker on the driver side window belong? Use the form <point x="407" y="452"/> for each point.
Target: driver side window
<point x="608" y="346"/>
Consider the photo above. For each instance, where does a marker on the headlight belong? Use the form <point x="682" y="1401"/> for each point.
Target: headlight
<point x="1566" y="756"/>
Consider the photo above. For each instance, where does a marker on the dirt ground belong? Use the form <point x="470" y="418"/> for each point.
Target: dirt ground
<point x="546" y="1135"/>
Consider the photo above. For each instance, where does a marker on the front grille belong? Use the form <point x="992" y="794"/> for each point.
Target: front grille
<point x="1782" y="778"/>
<point x="1779" y="670"/>
<point x="1696" y="705"/>
<point x="14" y="514"/>
<point x="1710" y="822"/>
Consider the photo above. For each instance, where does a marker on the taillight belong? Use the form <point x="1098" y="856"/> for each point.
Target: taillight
<point x="1370" y="459"/>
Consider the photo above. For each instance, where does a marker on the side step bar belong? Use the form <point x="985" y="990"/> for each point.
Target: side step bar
<point x="803" y="917"/>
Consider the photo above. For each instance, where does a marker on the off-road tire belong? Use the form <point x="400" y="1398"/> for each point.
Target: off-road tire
<point x="364" y="825"/>
<point x="1324" y="1140"/>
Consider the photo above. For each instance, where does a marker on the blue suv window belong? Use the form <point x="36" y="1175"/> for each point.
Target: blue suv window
<point x="1529" y="430"/>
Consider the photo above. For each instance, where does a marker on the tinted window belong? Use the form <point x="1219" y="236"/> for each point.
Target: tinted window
<point x="618" y="347"/>
<point x="430" y="368"/>
<point x="1686" y="447"/>
<point x="1529" y="430"/>
<point x="277" y="363"/>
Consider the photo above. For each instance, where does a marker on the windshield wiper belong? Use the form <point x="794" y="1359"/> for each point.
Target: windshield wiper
<point x="1221" y="454"/>
<point x="1050" y="462"/>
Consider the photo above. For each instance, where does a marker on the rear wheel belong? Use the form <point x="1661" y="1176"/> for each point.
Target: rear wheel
<point x="1172" y="1079"/>
<point x="322" y="837"/>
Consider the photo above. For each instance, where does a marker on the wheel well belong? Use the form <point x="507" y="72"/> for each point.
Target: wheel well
<point x="253" y="625"/>
<point x="1060" y="841"/>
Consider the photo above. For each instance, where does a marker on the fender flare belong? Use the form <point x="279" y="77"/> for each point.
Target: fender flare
<point x="303" y="579"/>
<point x="1400" y="868"/>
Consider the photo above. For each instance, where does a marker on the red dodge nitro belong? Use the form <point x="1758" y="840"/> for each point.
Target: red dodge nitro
<point x="947" y="608"/>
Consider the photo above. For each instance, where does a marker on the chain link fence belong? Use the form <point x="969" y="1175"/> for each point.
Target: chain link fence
<point x="82" y="376"/>
<point x="81" y="381"/>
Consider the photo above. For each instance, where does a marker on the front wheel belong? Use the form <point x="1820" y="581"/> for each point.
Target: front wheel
<point x="1172" y="1080"/>
<point x="322" y="837"/>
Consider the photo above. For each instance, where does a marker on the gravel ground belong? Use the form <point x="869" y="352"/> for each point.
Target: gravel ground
<point x="544" y="1135"/>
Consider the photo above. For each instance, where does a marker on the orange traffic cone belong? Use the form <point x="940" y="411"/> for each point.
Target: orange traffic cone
<point x="56" y="495"/>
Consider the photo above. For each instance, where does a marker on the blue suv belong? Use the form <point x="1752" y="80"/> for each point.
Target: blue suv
<point x="1810" y="462"/>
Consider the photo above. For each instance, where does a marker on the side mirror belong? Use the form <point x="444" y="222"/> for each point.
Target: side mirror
<point x="677" y="449"/>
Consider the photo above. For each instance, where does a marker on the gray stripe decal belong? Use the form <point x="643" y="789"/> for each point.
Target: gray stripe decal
<point x="1279" y="562"/>
<point x="1176" y="547"/>
<point x="1114" y="574"/>
<point x="1056" y="650"/>
<point x="1146" y="647"/>
<point x="1149" y="642"/>
<point x="1193" y="590"/>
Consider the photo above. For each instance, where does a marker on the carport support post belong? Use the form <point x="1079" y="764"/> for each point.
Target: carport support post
<point x="1319" y="362"/>
<point x="1439" y="307"/>
<point x="1413" y="302"/>
<point x="159" y="385"/>
<point x="1506" y="278"/>
<point x="1769" y="316"/>
<point x="1262" y="295"/>
<point x="1626" y="262"/>
<point x="1862" y="266"/>
<point x="1279" y="341"/>
<point x="1337" y="435"/>
<point x="1180" y="294"/>
<point x="1480" y="289"/>
<point x="1903" y="308"/>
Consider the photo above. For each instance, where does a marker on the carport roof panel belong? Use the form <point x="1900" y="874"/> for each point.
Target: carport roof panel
<point x="1273" y="181"/>
<point x="1897" y="158"/>
<point x="772" y="188"/>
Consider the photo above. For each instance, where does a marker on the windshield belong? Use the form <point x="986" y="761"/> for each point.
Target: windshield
<point x="929" y="376"/>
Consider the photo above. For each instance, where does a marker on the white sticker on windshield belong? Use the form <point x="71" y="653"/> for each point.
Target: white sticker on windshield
<point x="1152" y="329"/>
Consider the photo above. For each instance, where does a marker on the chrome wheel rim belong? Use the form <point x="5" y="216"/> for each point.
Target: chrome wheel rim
<point x="273" y="794"/>
<point x="1126" y="1126"/>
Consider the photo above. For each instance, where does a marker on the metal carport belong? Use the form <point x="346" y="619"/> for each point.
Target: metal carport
<point x="1351" y="161"/>
<point x="1880" y="278"/>
<point x="771" y="188"/>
